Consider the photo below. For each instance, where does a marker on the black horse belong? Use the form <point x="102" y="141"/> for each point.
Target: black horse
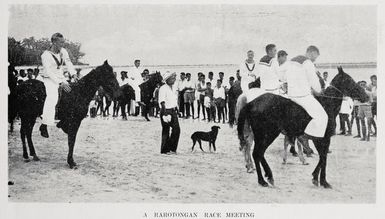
<point x="269" y="115"/>
<point x="30" y="97"/>
<point x="74" y="105"/>
<point x="127" y="93"/>
<point x="12" y="83"/>
<point x="147" y="92"/>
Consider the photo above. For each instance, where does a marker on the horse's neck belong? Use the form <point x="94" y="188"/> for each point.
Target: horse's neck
<point x="88" y="86"/>
<point x="331" y="102"/>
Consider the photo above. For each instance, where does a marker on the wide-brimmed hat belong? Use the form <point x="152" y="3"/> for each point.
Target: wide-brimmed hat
<point x="168" y="75"/>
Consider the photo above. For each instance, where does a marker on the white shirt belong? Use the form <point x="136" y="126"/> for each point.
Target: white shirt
<point x="219" y="92"/>
<point x="269" y="74"/>
<point x="248" y="73"/>
<point x="50" y="68"/>
<point x="135" y="76"/>
<point x="346" y="105"/>
<point x="282" y="70"/>
<point x="246" y="69"/>
<point x="21" y="78"/>
<point x="201" y="85"/>
<point x="122" y="82"/>
<point x="168" y="95"/>
<point x="39" y="78"/>
<point x="301" y="78"/>
<point x="181" y="85"/>
<point x="189" y="84"/>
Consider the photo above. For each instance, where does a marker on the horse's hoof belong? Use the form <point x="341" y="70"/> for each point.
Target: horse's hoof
<point x="326" y="185"/>
<point x="315" y="182"/>
<point x="36" y="158"/>
<point x="26" y="157"/>
<point x="72" y="165"/>
<point x="263" y="183"/>
<point x="271" y="181"/>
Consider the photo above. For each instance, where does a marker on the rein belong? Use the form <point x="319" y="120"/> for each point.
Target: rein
<point x="331" y="86"/>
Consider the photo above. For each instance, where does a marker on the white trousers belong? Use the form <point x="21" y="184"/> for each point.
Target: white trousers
<point x="50" y="102"/>
<point x="316" y="126"/>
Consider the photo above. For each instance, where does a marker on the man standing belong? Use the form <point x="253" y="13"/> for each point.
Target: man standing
<point x="54" y="62"/>
<point x="233" y="95"/>
<point x="169" y="115"/>
<point x="302" y="81"/>
<point x="181" y="86"/>
<point x="200" y="90"/>
<point x="189" y="96"/>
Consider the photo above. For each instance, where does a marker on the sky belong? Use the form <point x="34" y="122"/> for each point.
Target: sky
<point x="201" y="34"/>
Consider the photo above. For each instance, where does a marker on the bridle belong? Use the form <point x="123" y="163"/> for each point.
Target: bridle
<point x="335" y="88"/>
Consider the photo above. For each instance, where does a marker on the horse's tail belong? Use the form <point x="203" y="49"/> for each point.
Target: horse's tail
<point x="242" y="118"/>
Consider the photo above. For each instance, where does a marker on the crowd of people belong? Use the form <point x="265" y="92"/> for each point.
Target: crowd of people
<point x="209" y="98"/>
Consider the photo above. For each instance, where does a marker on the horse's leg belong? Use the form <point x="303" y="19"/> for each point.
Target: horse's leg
<point x="247" y="154"/>
<point x="305" y="145"/>
<point x="317" y="169"/>
<point x="22" y="134"/>
<point x="325" y="145"/>
<point x="257" y="159"/>
<point x="123" y="109"/>
<point x="266" y="139"/>
<point x="146" y="110"/>
<point x="300" y="142"/>
<point x="285" y="145"/>
<point x="32" y="152"/>
<point x="73" y="128"/>
<point x="268" y="172"/>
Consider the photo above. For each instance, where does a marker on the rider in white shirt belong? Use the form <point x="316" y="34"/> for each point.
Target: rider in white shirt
<point x="268" y="70"/>
<point x="303" y="82"/>
<point x="55" y="62"/>
<point x="248" y="71"/>
<point x="135" y="76"/>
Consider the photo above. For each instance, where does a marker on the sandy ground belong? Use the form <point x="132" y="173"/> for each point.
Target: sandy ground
<point x="119" y="161"/>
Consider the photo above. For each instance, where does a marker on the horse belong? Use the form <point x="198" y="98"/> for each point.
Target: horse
<point x="30" y="97"/>
<point x="74" y="104"/>
<point x="270" y="114"/>
<point x="147" y="89"/>
<point x="127" y="93"/>
<point x="12" y="83"/>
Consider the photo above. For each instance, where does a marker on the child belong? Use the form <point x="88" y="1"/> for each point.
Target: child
<point x="209" y="103"/>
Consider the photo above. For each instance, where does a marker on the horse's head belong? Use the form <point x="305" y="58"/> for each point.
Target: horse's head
<point x="107" y="80"/>
<point x="156" y="78"/>
<point x="348" y="86"/>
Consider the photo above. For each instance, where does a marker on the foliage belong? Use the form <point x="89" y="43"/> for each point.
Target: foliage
<point x="29" y="50"/>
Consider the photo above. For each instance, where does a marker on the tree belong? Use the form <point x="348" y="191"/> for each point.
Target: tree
<point x="29" y="50"/>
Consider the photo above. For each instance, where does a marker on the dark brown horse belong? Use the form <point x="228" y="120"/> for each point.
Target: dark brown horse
<point x="74" y="105"/>
<point x="269" y="115"/>
<point x="29" y="101"/>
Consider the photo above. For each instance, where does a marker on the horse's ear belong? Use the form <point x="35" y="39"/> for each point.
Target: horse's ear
<point x="340" y="70"/>
<point x="105" y="62"/>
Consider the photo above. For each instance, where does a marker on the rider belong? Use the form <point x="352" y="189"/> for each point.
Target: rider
<point x="55" y="62"/>
<point x="247" y="71"/>
<point x="268" y="70"/>
<point x="302" y="82"/>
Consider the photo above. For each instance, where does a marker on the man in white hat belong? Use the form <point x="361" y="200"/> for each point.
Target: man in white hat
<point x="55" y="62"/>
<point x="168" y="100"/>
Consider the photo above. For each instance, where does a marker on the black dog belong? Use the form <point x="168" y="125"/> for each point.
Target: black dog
<point x="211" y="137"/>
